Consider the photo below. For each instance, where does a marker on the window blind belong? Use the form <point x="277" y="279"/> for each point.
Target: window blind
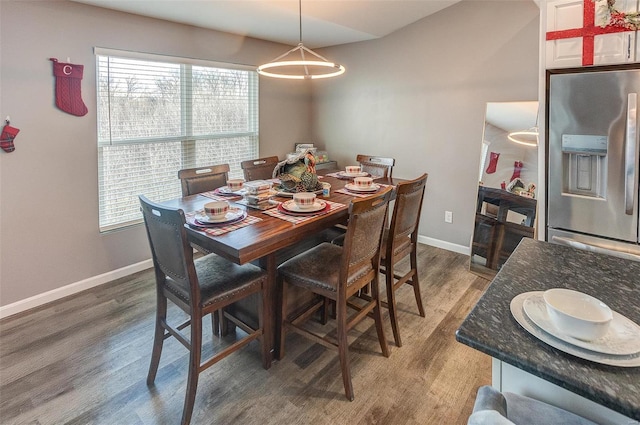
<point x="157" y="115"/>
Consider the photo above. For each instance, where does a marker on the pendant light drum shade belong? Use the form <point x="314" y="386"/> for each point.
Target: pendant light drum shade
<point x="301" y="63"/>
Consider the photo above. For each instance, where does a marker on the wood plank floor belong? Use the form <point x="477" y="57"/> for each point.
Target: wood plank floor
<point x="84" y="359"/>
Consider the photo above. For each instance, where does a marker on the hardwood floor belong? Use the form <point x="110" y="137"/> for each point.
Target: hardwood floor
<point x="84" y="360"/>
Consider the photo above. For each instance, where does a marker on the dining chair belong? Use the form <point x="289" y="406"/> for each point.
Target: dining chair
<point x="338" y="273"/>
<point x="377" y="166"/>
<point x="400" y="241"/>
<point x="198" y="287"/>
<point x="259" y="169"/>
<point x="203" y="179"/>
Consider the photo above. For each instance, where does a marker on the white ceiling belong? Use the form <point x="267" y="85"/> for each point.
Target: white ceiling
<point x="512" y="116"/>
<point x="324" y="22"/>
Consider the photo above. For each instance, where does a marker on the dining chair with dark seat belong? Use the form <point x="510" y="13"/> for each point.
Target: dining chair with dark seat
<point x="377" y="166"/>
<point x="400" y="241"/>
<point x="338" y="273"/>
<point x="203" y="179"/>
<point x="198" y="287"/>
<point x="259" y="169"/>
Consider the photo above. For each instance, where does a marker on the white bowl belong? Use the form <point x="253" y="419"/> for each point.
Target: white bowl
<point x="353" y="169"/>
<point x="363" y="182"/>
<point x="576" y="314"/>
<point x="304" y="200"/>
<point x="216" y="210"/>
<point x="235" y="184"/>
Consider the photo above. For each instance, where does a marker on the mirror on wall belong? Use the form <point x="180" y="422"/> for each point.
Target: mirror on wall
<point x="507" y="183"/>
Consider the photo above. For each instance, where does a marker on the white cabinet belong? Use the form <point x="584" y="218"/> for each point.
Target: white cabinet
<point x="575" y="37"/>
<point x="505" y="377"/>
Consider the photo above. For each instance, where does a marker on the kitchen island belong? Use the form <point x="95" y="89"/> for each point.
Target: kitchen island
<point x="524" y="364"/>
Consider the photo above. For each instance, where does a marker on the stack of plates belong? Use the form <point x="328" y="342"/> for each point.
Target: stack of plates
<point x="359" y="189"/>
<point x="344" y="174"/>
<point x="225" y="191"/>
<point x="291" y="208"/>
<point x="232" y="216"/>
<point x="619" y="347"/>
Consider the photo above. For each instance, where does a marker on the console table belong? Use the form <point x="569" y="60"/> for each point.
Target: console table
<point x="494" y="236"/>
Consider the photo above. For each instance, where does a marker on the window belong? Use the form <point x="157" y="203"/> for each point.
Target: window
<point x="157" y="115"/>
<point x="483" y="156"/>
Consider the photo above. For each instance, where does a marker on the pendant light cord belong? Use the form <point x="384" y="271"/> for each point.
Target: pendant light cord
<point x="300" y="15"/>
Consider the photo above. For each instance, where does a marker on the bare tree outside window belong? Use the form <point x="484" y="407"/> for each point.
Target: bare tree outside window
<point x="155" y="118"/>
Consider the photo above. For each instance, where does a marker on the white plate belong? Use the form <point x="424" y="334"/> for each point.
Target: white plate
<point x="353" y="187"/>
<point x="360" y="174"/>
<point x="262" y="206"/>
<point x="517" y="310"/>
<point x="293" y="207"/>
<point x="232" y="214"/>
<point x="622" y="337"/>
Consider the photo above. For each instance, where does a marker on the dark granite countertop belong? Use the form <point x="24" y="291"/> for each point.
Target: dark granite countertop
<point x="537" y="266"/>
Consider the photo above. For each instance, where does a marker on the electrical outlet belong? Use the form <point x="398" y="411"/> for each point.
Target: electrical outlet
<point x="448" y="217"/>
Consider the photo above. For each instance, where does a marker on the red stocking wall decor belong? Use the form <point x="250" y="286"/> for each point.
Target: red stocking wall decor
<point x="493" y="162"/>
<point x="517" y="168"/>
<point x="6" y="138"/>
<point x="68" y="87"/>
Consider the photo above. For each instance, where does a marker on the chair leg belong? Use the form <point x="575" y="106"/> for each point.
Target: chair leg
<point x="377" y="317"/>
<point x="158" y="338"/>
<point x="343" y="348"/>
<point x="324" y="316"/>
<point x="194" y="369"/>
<point x="265" y="351"/>
<point x="415" y="282"/>
<point x="391" y="302"/>
<point x="283" y="317"/>
<point x="225" y="324"/>
<point x="215" y="322"/>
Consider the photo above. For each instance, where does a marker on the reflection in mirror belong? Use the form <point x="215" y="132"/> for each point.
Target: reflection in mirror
<point x="506" y="204"/>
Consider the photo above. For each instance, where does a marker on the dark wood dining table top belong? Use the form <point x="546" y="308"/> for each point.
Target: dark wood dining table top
<point x="270" y="234"/>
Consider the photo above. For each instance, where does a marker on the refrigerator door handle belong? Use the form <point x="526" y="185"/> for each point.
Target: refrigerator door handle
<point x="593" y="248"/>
<point x="630" y="153"/>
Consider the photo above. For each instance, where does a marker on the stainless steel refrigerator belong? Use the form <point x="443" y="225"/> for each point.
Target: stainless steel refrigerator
<point x="592" y="148"/>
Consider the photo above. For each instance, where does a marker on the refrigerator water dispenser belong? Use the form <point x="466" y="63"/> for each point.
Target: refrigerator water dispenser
<point x="584" y="163"/>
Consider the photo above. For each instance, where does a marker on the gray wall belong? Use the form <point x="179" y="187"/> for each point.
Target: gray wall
<point x="419" y="95"/>
<point x="49" y="202"/>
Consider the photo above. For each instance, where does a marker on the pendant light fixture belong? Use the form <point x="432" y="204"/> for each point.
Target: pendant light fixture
<point x="294" y="65"/>
<point x="527" y="137"/>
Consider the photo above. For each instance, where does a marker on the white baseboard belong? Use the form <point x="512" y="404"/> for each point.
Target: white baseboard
<point x="73" y="288"/>
<point x="460" y="249"/>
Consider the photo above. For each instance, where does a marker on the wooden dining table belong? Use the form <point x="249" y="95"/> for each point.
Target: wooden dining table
<point x="263" y="241"/>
